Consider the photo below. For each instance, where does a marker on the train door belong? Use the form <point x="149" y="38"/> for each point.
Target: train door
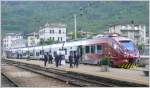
<point x="80" y="51"/>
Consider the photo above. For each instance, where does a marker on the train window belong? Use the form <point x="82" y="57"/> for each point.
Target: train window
<point x="41" y="52"/>
<point x="92" y="49"/>
<point x="99" y="47"/>
<point x="31" y="54"/>
<point x="24" y="54"/>
<point x="37" y="53"/>
<point x="87" y="49"/>
<point x="65" y="51"/>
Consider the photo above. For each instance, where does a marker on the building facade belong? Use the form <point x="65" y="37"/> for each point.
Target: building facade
<point x="136" y="32"/>
<point x="32" y="39"/>
<point x="55" y="31"/>
<point x="13" y="40"/>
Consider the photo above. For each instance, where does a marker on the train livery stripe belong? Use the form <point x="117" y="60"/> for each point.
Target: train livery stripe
<point x="128" y="65"/>
<point x="122" y="65"/>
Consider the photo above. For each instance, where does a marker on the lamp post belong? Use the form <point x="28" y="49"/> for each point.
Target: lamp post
<point x="75" y="26"/>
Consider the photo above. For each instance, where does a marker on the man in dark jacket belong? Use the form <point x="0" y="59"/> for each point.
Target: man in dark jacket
<point x="45" y="59"/>
<point x="50" y="59"/>
<point x="76" y="59"/>
<point x="57" y="60"/>
<point x="71" y="60"/>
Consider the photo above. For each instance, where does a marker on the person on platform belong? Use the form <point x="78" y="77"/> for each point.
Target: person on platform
<point x="76" y="60"/>
<point x="57" y="59"/>
<point x="45" y="59"/>
<point x="50" y="59"/>
<point x="71" y="60"/>
<point x="60" y="58"/>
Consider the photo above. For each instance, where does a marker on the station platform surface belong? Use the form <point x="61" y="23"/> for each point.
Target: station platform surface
<point x="130" y="75"/>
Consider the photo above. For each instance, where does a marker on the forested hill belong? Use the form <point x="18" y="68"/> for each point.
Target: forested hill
<point x="28" y="16"/>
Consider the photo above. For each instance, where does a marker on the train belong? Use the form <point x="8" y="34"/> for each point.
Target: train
<point x="120" y="49"/>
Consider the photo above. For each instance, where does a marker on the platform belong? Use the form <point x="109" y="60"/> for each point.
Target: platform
<point x="129" y="75"/>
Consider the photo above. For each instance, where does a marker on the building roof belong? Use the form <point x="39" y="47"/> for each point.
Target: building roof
<point x="55" y="25"/>
<point x="13" y="34"/>
<point x="32" y="34"/>
<point x="125" y="23"/>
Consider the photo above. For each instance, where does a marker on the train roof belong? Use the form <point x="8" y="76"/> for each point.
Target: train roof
<point x="121" y="38"/>
<point x="74" y="43"/>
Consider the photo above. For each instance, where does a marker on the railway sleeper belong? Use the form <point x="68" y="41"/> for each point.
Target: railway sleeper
<point x="58" y="77"/>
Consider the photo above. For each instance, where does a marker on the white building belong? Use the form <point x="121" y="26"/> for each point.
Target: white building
<point x="32" y="39"/>
<point x="55" y="31"/>
<point x="136" y="32"/>
<point x="19" y="43"/>
<point x="13" y="40"/>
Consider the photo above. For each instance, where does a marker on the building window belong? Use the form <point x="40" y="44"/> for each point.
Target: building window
<point x="59" y="31"/>
<point x="61" y="38"/>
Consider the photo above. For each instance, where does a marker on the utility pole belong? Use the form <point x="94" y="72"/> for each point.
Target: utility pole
<point x="75" y="26"/>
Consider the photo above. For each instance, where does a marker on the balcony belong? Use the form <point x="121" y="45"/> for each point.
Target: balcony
<point x="136" y="35"/>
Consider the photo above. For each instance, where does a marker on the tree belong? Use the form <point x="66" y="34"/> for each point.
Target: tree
<point x="141" y="47"/>
<point x="79" y="35"/>
<point x="42" y="41"/>
<point x="49" y="41"/>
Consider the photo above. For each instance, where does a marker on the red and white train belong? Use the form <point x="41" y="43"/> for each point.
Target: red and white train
<point x="120" y="49"/>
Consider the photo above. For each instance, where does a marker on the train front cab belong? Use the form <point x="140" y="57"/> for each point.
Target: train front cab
<point x="131" y="54"/>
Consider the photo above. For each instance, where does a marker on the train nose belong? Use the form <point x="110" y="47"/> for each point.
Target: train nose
<point x="131" y="53"/>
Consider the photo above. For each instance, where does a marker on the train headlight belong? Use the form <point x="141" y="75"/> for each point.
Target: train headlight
<point x="125" y="53"/>
<point x="126" y="60"/>
<point x="115" y="46"/>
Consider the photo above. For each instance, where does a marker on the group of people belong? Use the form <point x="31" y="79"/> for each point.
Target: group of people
<point x="73" y="59"/>
<point x="49" y="58"/>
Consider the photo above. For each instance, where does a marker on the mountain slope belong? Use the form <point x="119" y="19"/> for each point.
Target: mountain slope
<point x="28" y="16"/>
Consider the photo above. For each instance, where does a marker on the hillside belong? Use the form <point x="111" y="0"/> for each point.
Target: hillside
<point x="92" y="16"/>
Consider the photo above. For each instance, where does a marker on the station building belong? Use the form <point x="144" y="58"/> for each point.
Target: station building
<point x="54" y="31"/>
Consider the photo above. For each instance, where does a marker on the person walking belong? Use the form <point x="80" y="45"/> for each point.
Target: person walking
<point x="60" y="58"/>
<point x="57" y="60"/>
<point x="71" y="60"/>
<point x="45" y="59"/>
<point x="50" y="59"/>
<point x="76" y="60"/>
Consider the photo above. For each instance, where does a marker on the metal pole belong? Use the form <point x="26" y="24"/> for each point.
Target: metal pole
<point x="75" y="26"/>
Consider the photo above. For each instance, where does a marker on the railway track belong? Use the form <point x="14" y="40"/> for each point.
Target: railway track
<point x="6" y="82"/>
<point x="75" y="79"/>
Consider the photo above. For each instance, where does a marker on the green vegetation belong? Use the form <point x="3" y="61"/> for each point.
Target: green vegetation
<point x="105" y="60"/>
<point x="28" y="16"/>
<point x="47" y="42"/>
<point x="140" y="46"/>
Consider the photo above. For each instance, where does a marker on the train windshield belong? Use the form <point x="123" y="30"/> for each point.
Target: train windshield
<point x="128" y="44"/>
